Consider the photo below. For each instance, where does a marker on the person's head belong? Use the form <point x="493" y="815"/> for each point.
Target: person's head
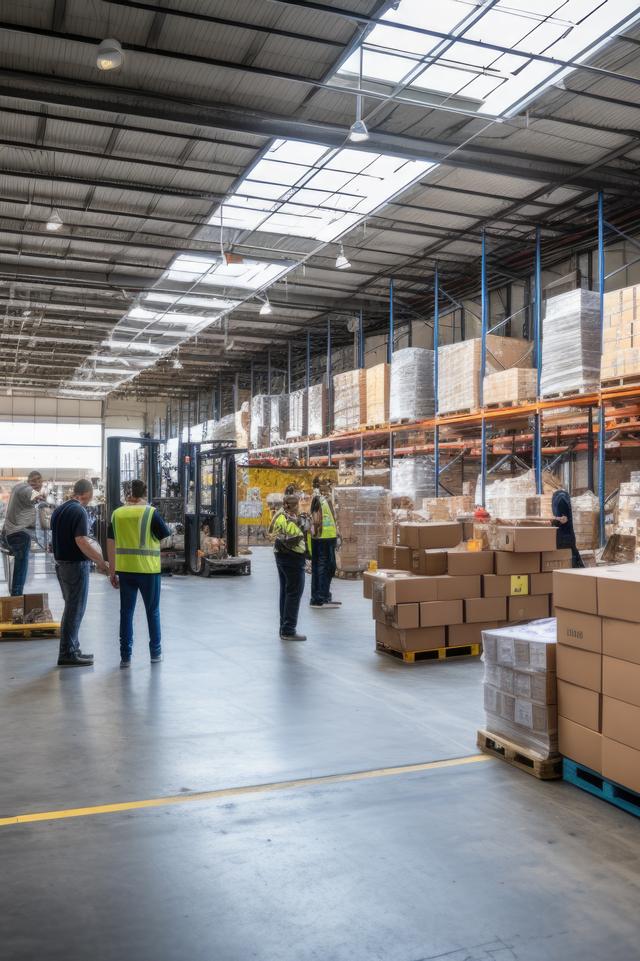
<point x="291" y="503"/>
<point x="289" y="490"/>
<point x="35" y="480"/>
<point x="324" y="485"/>
<point x="138" y="490"/>
<point x="83" y="491"/>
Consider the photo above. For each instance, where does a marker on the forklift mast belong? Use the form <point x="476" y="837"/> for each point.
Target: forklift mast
<point x="212" y="502"/>
<point x="151" y="477"/>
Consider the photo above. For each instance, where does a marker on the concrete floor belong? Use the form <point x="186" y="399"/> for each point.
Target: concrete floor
<point x="475" y="862"/>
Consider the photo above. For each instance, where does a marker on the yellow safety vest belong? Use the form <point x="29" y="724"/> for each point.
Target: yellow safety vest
<point x="328" y="521"/>
<point x="289" y="528"/>
<point x="137" y="550"/>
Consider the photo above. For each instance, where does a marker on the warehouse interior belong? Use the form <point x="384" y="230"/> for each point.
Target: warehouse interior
<point x="387" y="255"/>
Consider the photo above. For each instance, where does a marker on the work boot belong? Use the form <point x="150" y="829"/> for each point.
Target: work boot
<point x="76" y="659"/>
<point x="124" y="663"/>
<point x="293" y="637"/>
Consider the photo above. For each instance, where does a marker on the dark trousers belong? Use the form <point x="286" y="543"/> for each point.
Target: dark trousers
<point x="291" y="574"/>
<point x="20" y="546"/>
<point x="323" y="568"/>
<point x="73" y="578"/>
<point x="149" y="587"/>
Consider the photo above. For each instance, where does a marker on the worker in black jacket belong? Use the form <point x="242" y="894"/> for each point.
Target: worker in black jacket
<point x="563" y="521"/>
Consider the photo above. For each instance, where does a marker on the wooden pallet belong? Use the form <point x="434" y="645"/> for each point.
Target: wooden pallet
<point x="12" y="631"/>
<point x="439" y="654"/>
<point x="594" y="783"/>
<point x="545" y="769"/>
<point x="460" y="410"/>
<point x="348" y="575"/>
<point x="627" y="380"/>
<point x="501" y="404"/>
<point x="576" y="392"/>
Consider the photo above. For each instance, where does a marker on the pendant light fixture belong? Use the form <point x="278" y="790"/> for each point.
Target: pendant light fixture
<point x="266" y="307"/>
<point x="55" y="221"/>
<point x="110" y="55"/>
<point x="359" y="132"/>
<point x="341" y="260"/>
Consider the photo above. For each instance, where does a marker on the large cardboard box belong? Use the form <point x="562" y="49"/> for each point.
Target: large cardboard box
<point x="621" y="639"/>
<point x="377" y="389"/>
<point x="436" y="613"/>
<point x="555" y="561"/>
<point x="529" y="608"/>
<point x="621" y="721"/>
<point x="583" y="668"/>
<point x="406" y="617"/>
<point x="369" y="578"/>
<point x="479" y="609"/>
<point x="433" y="561"/>
<point x="579" y="743"/>
<point x="349" y="400"/>
<point x="403" y="590"/>
<point x="523" y="540"/>
<point x="541" y="583"/>
<point x="458" y="635"/>
<point x="469" y="562"/>
<point x="452" y="588"/>
<point x="505" y="585"/>
<point x="35" y="602"/>
<point x="420" y="639"/>
<point x="11" y="610"/>
<point x="508" y="562"/>
<point x="427" y="536"/>
<point x="576" y="590"/>
<point x="619" y="592"/>
<point x="621" y="764"/>
<point x="621" y="679"/>
<point x="579" y="630"/>
<point x="581" y="705"/>
<point x="395" y="558"/>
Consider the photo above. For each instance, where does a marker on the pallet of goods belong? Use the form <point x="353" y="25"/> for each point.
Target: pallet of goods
<point x="411" y="388"/>
<point x="571" y="344"/>
<point x="260" y="431"/>
<point x="512" y="498"/>
<point x="233" y="427"/>
<point x="459" y="367"/>
<point x="586" y="521"/>
<point x="363" y="516"/>
<point x="317" y="410"/>
<point x="506" y="388"/>
<point x="413" y="478"/>
<point x="298" y="423"/>
<point x="349" y="400"/>
<point x="621" y="336"/>
<point x="598" y="666"/>
<point x="27" y="615"/>
<point x="377" y="380"/>
<point x="278" y="418"/>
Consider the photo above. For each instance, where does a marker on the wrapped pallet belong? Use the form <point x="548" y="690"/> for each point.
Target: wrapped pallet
<point x="459" y="368"/>
<point x="317" y="410"/>
<point x="513" y="386"/>
<point x="520" y="685"/>
<point x="233" y="427"/>
<point x="377" y="387"/>
<point x="260" y="433"/>
<point x="414" y="478"/>
<point x="363" y="516"/>
<point x="297" y="414"/>
<point x="628" y="505"/>
<point x="349" y="400"/>
<point x="513" y="498"/>
<point x="411" y="394"/>
<point x="571" y="343"/>
<point x="586" y="521"/>
<point x="621" y="334"/>
<point x="279" y="418"/>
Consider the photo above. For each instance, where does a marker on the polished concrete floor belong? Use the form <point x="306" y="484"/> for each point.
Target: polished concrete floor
<point x="473" y="862"/>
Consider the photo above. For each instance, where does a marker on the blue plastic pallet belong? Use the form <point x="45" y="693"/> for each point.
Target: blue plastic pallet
<point x="588" y="780"/>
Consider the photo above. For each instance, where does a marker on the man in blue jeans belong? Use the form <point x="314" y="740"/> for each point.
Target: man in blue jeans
<point x="73" y="550"/>
<point x="19" y="527"/>
<point x="133" y="546"/>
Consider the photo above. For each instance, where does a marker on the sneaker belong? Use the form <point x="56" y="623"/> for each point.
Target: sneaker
<point x="77" y="659"/>
<point x="332" y="605"/>
<point x="125" y="662"/>
<point x="293" y="637"/>
<point x="316" y="605"/>
<point x="156" y="658"/>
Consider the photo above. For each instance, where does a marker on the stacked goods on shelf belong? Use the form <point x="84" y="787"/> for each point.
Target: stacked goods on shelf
<point x="234" y="427"/>
<point x="515" y="497"/>
<point x="279" y="418"/>
<point x="513" y="386"/>
<point x="317" y="410"/>
<point x="459" y="369"/>
<point x="628" y="512"/>
<point x="411" y="391"/>
<point x="349" y="400"/>
<point x="586" y="521"/>
<point x="260" y="432"/>
<point x="363" y="517"/>
<point x="413" y="478"/>
<point x="571" y="343"/>
<point x="297" y="415"/>
<point x="377" y="391"/>
<point x="598" y="617"/>
<point x="520" y="685"/>
<point x="449" y="507"/>
<point x="621" y="334"/>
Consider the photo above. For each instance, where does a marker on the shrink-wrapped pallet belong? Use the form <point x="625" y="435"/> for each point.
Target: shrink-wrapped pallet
<point x="377" y="387"/>
<point x="586" y="521"/>
<point x="297" y="414"/>
<point x="317" y="410"/>
<point x="411" y="391"/>
<point x="349" y="400"/>
<point x="628" y="511"/>
<point x="513" y="386"/>
<point x="520" y="685"/>
<point x="459" y="368"/>
<point x="621" y="334"/>
<point x="571" y="343"/>
<point x="232" y="427"/>
<point x="414" y="478"/>
<point x="279" y="418"/>
<point x="363" y="516"/>
<point x="261" y="420"/>
<point x="513" y="498"/>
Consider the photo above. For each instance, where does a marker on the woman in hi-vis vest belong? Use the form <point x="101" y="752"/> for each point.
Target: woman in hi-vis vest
<point x="324" y="540"/>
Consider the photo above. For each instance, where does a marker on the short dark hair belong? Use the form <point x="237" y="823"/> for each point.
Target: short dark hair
<point x="290" y="489"/>
<point x="316" y="481"/>
<point x="82" y="486"/>
<point x="34" y="475"/>
<point x="138" y="488"/>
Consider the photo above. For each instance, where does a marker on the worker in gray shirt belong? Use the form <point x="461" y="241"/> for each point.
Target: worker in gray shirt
<point x="20" y="525"/>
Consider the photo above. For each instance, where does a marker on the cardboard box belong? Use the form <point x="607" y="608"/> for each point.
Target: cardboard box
<point x="621" y="639"/>
<point x="621" y="679"/>
<point x="523" y="540"/>
<point x="469" y="562"/>
<point x="619" y="592"/>
<point x="451" y="588"/>
<point x="505" y="585"/>
<point x="436" y="613"/>
<point x="583" y="668"/>
<point x="369" y="578"/>
<point x="467" y="530"/>
<point x="406" y="617"/>
<point x="579" y="630"/>
<point x="432" y="562"/>
<point x="579" y="743"/>
<point x="420" y="639"/>
<point x="403" y="590"/>
<point x="576" y="590"/>
<point x="541" y="583"/>
<point x="395" y="558"/>
<point x="426" y="536"/>
<point x="621" y="763"/>
<point x="528" y="608"/>
<point x="35" y="602"/>
<point x="11" y="610"/>
<point x="580" y="705"/>
<point x="621" y="722"/>
<point x="555" y="561"/>
<point x="458" y="635"/>
<point x="508" y="562"/>
<point x="481" y="609"/>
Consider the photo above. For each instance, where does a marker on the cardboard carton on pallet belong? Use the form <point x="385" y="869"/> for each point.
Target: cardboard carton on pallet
<point x="377" y="388"/>
<point x="460" y="365"/>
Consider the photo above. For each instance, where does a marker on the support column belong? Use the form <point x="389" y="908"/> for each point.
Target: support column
<point x="307" y="373"/>
<point x="329" y="380"/>
<point x="436" y="345"/>
<point x="537" y="333"/>
<point x="391" y="323"/>
<point x="483" y="366"/>
<point x="601" y="410"/>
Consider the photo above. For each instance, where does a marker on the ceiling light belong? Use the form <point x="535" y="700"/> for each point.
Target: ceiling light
<point x="358" y="131"/>
<point x="341" y="261"/>
<point x="133" y="345"/>
<point x="55" y="221"/>
<point x="266" y="307"/>
<point x="110" y="55"/>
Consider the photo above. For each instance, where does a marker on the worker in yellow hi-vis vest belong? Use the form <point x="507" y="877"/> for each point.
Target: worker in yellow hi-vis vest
<point x="324" y="542"/>
<point x="133" y="547"/>
<point x="287" y="530"/>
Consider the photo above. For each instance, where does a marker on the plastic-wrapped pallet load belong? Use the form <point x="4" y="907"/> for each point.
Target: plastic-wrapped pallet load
<point x="414" y="478"/>
<point x="234" y="427"/>
<point x="349" y="400"/>
<point x="628" y="505"/>
<point x="279" y="418"/>
<point x="459" y="368"/>
<point x="520" y="685"/>
<point x="570" y="343"/>
<point x="513" y="386"/>
<point x="297" y="414"/>
<point x="261" y="420"/>
<point x="512" y="498"/>
<point x="411" y="392"/>
<point x="377" y="386"/>
<point x="363" y="516"/>
<point x="586" y="521"/>
<point x="317" y="410"/>
<point x="621" y="334"/>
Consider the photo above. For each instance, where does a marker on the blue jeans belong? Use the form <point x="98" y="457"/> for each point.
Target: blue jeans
<point x="149" y="587"/>
<point x="323" y="568"/>
<point x="291" y="574"/>
<point x="73" y="578"/>
<point x="20" y="545"/>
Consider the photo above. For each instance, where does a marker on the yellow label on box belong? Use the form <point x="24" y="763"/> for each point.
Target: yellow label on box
<point x="519" y="584"/>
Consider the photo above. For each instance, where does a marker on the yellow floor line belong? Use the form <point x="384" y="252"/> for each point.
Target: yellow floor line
<point x="238" y="791"/>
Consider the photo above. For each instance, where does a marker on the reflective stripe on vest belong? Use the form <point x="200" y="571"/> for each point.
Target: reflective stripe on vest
<point x="328" y="520"/>
<point x="137" y="550"/>
<point x="289" y="528"/>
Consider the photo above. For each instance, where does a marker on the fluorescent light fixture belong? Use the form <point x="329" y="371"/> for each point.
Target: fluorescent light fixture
<point x="55" y="221"/>
<point x="266" y="308"/>
<point x="341" y="261"/>
<point x="136" y="345"/>
<point x="183" y="300"/>
<point x="110" y="55"/>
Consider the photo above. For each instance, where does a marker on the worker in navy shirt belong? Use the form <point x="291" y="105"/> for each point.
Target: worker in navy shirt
<point x="73" y="550"/>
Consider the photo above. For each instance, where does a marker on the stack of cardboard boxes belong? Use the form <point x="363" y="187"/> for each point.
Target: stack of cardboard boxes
<point x="598" y="618"/>
<point x="25" y="609"/>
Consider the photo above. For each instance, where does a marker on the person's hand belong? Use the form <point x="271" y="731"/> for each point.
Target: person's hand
<point x="103" y="567"/>
<point x="563" y="519"/>
<point x="115" y="581"/>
